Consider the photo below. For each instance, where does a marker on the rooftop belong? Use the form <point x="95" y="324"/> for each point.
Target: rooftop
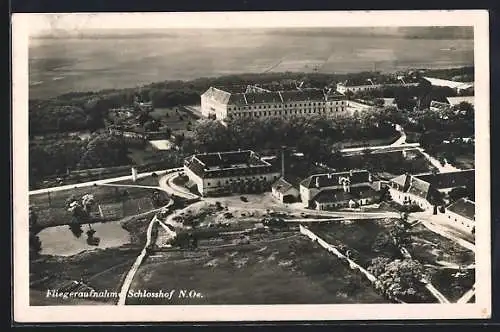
<point x="334" y="179"/>
<point x="457" y="100"/>
<point x="282" y="186"/>
<point x="464" y="207"/>
<point x="258" y="95"/>
<point x="450" y="179"/>
<point x="450" y="84"/>
<point x="218" y="162"/>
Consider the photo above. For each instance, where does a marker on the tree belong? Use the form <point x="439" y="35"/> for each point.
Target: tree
<point x="76" y="229"/>
<point x="399" y="278"/>
<point x="378" y="265"/>
<point x="35" y="245"/>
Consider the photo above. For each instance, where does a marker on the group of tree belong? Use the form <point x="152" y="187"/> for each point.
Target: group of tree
<point x="396" y="237"/>
<point x="56" y="157"/>
<point x="185" y="240"/>
<point x="88" y="110"/>
<point x="315" y="136"/>
<point x="399" y="278"/>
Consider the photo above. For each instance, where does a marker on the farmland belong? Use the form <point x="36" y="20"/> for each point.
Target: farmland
<point x="284" y="271"/>
<point x="61" y="65"/>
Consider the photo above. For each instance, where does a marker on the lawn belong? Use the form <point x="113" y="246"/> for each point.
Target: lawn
<point x="390" y="162"/>
<point x="359" y="237"/>
<point x="288" y="271"/>
<point x="112" y="201"/>
<point x="175" y="118"/>
<point x="451" y="284"/>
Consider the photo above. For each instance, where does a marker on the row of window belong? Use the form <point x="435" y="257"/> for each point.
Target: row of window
<point x="291" y="112"/>
<point x="461" y="221"/>
<point x="284" y="106"/>
<point x="229" y="181"/>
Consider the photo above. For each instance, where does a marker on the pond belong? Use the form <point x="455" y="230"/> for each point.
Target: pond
<point x="61" y="241"/>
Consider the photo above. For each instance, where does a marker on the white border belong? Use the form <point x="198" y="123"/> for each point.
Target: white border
<point x="26" y="24"/>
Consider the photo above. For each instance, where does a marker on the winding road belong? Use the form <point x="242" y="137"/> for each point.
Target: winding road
<point x="101" y="182"/>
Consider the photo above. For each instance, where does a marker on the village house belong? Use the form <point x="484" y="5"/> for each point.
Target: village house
<point x="341" y="189"/>
<point x="422" y="189"/>
<point x="462" y="213"/>
<point x="230" y="172"/>
<point x="284" y="191"/>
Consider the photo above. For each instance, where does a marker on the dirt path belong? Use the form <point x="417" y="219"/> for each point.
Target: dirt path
<point x="446" y="168"/>
<point x="122" y="296"/>
<point x="100" y="182"/>
<point x="468" y="295"/>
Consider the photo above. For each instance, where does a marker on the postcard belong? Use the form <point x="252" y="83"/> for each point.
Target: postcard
<point x="251" y="166"/>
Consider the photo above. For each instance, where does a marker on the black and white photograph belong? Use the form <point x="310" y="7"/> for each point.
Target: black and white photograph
<point x="251" y="166"/>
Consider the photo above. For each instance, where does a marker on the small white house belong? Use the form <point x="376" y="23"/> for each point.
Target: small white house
<point x="284" y="191"/>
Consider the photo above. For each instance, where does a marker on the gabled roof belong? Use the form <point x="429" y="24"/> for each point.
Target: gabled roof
<point x="364" y="192"/>
<point x="327" y="196"/>
<point x="464" y="207"/>
<point x="419" y="188"/>
<point x="457" y="100"/>
<point x="402" y="180"/>
<point x="262" y="97"/>
<point x="237" y="99"/>
<point x="282" y="186"/>
<point x="303" y="95"/>
<point x="218" y="95"/>
<point x="333" y="179"/>
<point x="449" y="179"/>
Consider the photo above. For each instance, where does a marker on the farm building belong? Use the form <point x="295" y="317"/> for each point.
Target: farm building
<point x="462" y="213"/>
<point x="284" y="191"/>
<point x="421" y="189"/>
<point x="354" y="182"/>
<point x="230" y="172"/>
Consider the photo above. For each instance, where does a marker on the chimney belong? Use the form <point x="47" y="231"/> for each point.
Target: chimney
<point x="317" y="182"/>
<point x="350" y="172"/>
<point x="283" y="163"/>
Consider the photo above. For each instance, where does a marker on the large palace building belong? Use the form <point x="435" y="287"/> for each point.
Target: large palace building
<point x="230" y="172"/>
<point x="259" y="102"/>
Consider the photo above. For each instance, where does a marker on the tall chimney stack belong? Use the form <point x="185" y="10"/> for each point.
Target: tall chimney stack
<point x="283" y="163"/>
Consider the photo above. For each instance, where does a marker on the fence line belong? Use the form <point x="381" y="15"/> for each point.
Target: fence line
<point x="332" y="249"/>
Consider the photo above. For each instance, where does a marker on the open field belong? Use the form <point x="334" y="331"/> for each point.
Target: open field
<point x="288" y="271"/>
<point x="60" y="65"/>
<point x="112" y="200"/>
<point x="100" y="270"/>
